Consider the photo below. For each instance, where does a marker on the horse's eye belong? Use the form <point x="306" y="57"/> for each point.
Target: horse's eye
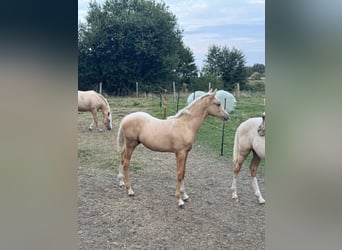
<point x="218" y="104"/>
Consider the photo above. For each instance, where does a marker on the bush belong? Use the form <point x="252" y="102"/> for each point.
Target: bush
<point x="255" y="76"/>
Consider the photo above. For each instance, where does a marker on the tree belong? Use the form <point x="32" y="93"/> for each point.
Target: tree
<point x="186" y="68"/>
<point x="256" y="76"/>
<point x="258" y="67"/>
<point x="226" y="64"/>
<point x="129" y="41"/>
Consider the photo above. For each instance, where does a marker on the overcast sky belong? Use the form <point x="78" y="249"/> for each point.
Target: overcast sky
<point x="234" y="23"/>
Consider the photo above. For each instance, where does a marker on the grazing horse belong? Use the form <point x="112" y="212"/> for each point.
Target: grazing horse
<point x="249" y="136"/>
<point x="93" y="102"/>
<point x="176" y="134"/>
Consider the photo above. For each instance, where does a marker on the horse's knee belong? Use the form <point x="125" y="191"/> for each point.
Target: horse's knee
<point x="180" y="175"/>
<point x="125" y="163"/>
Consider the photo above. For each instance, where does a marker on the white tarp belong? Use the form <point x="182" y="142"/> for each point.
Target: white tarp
<point x="194" y="95"/>
<point x="227" y="100"/>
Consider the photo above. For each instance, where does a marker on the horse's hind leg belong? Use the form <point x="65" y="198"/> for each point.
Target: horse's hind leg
<point x="237" y="166"/>
<point x="254" y="168"/>
<point x="121" y="175"/>
<point x="124" y="166"/>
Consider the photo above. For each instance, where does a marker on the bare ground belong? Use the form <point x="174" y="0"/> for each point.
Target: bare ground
<point x="110" y="219"/>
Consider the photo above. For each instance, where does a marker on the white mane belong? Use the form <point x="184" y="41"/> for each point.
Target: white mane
<point x="105" y="100"/>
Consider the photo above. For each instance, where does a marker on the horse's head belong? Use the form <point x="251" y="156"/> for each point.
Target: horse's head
<point x="107" y="120"/>
<point x="215" y="108"/>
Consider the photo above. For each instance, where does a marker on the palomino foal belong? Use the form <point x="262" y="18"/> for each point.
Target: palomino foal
<point x="249" y="136"/>
<point x="176" y="135"/>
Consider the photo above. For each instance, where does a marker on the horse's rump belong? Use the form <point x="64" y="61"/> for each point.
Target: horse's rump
<point x="247" y="138"/>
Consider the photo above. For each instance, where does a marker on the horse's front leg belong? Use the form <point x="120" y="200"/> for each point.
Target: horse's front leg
<point x="185" y="197"/>
<point x="95" y="120"/>
<point x="180" y="191"/>
<point x="237" y="166"/>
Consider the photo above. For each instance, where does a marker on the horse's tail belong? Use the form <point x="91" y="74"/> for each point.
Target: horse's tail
<point x="236" y="146"/>
<point x="120" y="140"/>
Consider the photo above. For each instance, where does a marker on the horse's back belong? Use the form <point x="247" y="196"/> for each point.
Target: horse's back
<point x="137" y="120"/>
<point x="86" y="99"/>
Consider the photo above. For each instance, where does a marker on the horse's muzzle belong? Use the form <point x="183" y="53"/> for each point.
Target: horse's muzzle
<point x="109" y="129"/>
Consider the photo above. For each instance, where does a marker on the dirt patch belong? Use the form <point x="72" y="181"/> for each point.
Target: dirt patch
<point x="110" y="219"/>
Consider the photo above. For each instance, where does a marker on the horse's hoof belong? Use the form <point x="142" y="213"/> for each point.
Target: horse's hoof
<point x="182" y="206"/>
<point x="186" y="198"/>
<point x="122" y="184"/>
<point x="90" y="129"/>
<point x="130" y="193"/>
<point x="235" y="199"/>
<point x="262" y="202"/>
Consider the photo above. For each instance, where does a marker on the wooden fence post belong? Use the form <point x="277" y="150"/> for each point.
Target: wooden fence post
<point x="137" y="88"/>
<point x="238" y="90"/>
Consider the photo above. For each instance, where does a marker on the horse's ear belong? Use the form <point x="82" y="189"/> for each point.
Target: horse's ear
<point x="213" y="93"/>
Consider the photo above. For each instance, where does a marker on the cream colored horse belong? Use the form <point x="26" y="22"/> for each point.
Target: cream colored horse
<point x="249" y="136"/>
<point x="176" y="135"/>
<point x="90" y="101"/>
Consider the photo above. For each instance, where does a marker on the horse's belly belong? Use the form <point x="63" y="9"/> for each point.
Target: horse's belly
<point x="158" y="144"/>
<point x="82" y="109"/>
<point x="165" y="142"/>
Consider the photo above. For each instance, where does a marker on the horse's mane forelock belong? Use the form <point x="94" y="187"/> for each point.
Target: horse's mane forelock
<point x="185" y="111"/>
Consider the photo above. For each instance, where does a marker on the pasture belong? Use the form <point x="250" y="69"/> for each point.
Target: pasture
<point x="110" y="219"/>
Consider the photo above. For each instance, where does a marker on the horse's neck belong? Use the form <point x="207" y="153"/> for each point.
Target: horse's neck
<point x="103" y="105"/>
<point x="196" y="117"/>
<point x="104" y="108"/>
